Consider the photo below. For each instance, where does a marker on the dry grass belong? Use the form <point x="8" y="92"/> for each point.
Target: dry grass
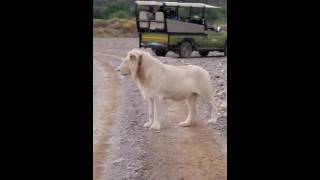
<point x="114" y="28"/>
<point x="223" y="27"/>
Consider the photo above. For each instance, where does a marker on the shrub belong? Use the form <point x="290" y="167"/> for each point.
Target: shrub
<point x="97" y="13"/>
<point x="121" y="14"/>
<point x="119" y="9"/>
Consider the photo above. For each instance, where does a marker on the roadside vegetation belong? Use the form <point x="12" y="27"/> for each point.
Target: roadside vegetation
<point x="116" y="19"/>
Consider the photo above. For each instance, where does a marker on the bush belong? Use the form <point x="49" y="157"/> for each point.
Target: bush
<point x="118" y="9"/>
<point x="97" y="13"/>
<point x="120" y="14"/>
<point x="217" y="15"/>
<point x="125" y="9"/>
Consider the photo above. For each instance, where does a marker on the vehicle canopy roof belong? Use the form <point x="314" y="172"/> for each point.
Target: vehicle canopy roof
<point x="174" y="4"/>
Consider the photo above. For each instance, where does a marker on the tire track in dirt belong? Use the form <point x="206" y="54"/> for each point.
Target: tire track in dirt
<point x="105" y="85"/>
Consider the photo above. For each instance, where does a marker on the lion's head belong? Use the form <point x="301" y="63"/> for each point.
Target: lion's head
<point x="130" y="64"/>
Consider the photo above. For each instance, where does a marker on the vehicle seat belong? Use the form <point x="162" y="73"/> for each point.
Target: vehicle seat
<point x="196" y="19"/>
<point x="158" y="25"/>
<point x="143" y="16"/>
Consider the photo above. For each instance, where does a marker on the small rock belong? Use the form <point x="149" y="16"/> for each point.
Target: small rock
<point x="138" y="168"/>
<point x="117" y="161"/>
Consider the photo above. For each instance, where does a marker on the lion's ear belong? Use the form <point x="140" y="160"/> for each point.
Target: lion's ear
<point x="132" y="56"/>
<point x="135" y="56"/>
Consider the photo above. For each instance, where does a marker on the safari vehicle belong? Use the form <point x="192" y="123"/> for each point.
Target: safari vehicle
<point x="178" y="27"/>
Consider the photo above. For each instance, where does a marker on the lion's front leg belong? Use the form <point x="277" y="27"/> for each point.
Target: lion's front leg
<point x="191" y="102"/>
<point x="151" y="113"/>
<point x="157" y="114"/>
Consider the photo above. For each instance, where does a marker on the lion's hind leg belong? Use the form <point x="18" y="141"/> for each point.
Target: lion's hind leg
<point x="191" y="102"/>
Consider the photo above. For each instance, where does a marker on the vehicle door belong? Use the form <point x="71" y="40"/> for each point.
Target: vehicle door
<point x="214" y="38"/>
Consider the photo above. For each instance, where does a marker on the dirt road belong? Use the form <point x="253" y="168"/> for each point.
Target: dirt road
<point x="124" y="149"/>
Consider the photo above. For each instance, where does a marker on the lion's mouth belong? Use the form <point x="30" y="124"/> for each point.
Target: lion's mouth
<point x="125" y="74"/>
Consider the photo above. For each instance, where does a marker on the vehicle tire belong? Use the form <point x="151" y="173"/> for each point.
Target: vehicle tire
<point x="225" y="49"/>
<point x="160" y="52"/>
<point x="185" y="49"/>
<point x="203" y="53"/>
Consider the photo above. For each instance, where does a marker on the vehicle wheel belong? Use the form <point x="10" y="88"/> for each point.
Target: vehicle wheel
<point x="204" y="53"/>
<point x="160" y="52"/>
<point x="225" y="50"/>
<point x="185" y="49"/>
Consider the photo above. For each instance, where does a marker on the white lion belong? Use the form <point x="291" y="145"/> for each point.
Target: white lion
<point x="158" y="81"/>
